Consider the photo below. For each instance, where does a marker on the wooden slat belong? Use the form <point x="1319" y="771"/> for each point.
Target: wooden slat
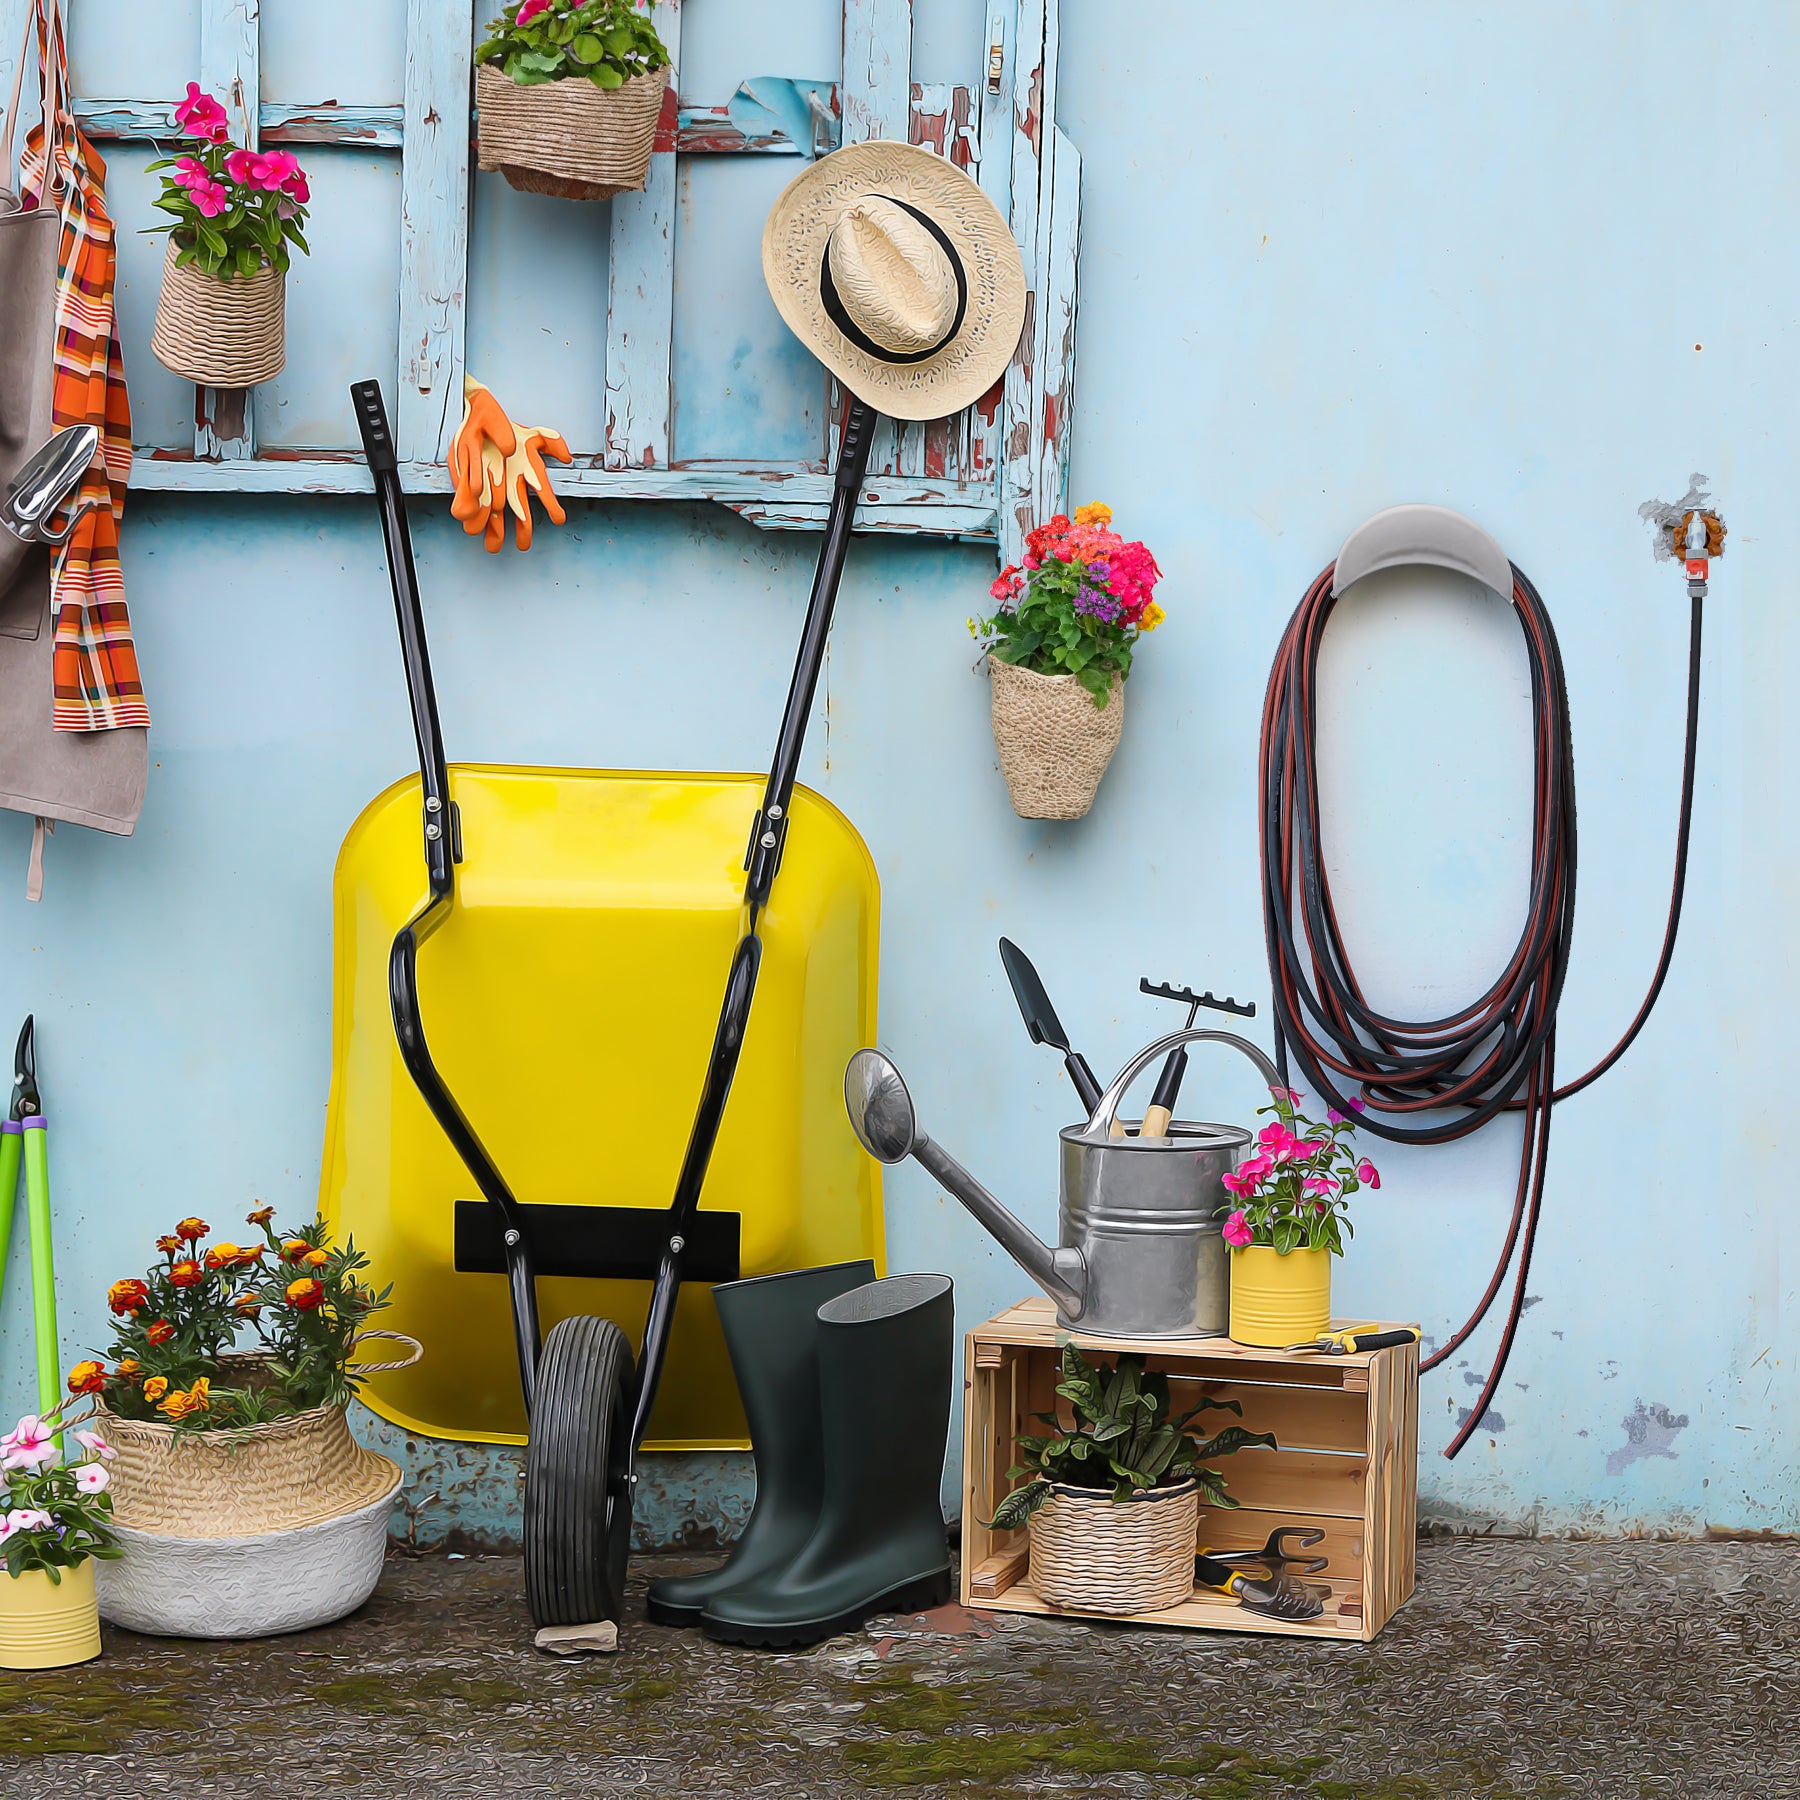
<point x="1029" y="76"/>
<point x="995" y="1574"/>
<point x="434" y="227"/>
<point x="1054" y="377"/>
<point x="1247" y="1528"/>
<point x="928" y="122"/>
<point x="1378" y="1501"/>
<point x="1212" y="1612"/>
<point x="230" y="67"/>
<point x="1298" y="1481"/>
<point x="640" y="308"/>
<point x="1302" y="1418"/>
<point x="279" y="122"/>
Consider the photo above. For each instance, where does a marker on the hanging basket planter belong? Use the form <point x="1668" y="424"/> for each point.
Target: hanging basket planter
<point x="222" y="334"/>
<point x="1054" y="742"/>
<point x="569" y="138"/>
<point x="1092" y="1553"/>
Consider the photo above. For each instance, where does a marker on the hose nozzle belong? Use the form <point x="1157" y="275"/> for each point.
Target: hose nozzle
<point x="1702" y="538"/>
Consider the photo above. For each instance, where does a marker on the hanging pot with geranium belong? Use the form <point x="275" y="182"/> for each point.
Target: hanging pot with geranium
<point x="235" y="219"/>
<point x="569" y="94"/>
<point x="1059" y="648"/>
<point x="1287" y="1218"/>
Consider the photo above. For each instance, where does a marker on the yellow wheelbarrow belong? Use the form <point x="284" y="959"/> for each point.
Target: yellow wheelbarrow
<point x="578" y="922"/>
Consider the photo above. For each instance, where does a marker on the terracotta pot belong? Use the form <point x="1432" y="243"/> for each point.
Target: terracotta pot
<point x="568" y="138"/>
<point x="46" y="1624"/>
<point x="1054" y="742"/>
<point x="1279" y="1300"/>
<point x="223" y="334"/>
<point x="1092" y="1553"/>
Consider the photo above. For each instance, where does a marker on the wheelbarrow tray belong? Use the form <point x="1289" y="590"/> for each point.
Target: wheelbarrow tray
<point x="571" y="1000"/>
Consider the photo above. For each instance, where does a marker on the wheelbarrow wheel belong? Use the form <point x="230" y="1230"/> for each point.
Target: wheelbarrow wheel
<point x="577" y="1498"/>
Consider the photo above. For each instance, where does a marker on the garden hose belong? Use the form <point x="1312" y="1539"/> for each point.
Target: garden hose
<point x="1497" y="1054"/>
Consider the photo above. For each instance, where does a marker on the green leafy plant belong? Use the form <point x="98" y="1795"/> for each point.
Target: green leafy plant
<point x="234" y="1335"/>
<point x="606" y="42"/>
<point x="1120" y="1435"/>
<point x="54" y="1514"/>
<point x="1292" y="1194"/>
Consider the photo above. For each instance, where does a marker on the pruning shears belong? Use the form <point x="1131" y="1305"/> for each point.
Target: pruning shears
<point x="1342" y="1343"/>
<point x="23" y="1138"/>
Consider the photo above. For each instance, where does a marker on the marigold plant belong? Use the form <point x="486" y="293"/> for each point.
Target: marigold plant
<point x="1081" y="600"/>
<point x="293" y="1300"/>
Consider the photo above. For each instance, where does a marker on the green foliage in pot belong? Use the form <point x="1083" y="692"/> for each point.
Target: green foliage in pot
<point x="606" y="42"/>
<point x="1121" y="1437"/>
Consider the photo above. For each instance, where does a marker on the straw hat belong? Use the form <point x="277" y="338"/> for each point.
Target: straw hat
<point x="895" y="269"/>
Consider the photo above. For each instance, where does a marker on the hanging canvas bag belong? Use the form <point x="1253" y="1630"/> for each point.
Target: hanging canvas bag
<point x="72" y="717"/>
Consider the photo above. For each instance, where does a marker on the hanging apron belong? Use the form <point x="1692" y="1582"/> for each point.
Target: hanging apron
<point x="87" y="777"/>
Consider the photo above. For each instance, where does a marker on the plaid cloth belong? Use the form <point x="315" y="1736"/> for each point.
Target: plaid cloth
<point x="95" y="685"/>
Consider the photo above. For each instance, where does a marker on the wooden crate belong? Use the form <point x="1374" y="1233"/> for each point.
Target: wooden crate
<point x="1348" y="1427"/>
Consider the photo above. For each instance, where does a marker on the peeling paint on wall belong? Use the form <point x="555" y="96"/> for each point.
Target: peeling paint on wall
<point x="1649" y="1431"/>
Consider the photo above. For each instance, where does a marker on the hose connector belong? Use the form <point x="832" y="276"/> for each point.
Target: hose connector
<point x="1697" y="554"/>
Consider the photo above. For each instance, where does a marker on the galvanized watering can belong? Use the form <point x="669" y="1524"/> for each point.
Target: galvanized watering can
<point x="1140" y="1253"/>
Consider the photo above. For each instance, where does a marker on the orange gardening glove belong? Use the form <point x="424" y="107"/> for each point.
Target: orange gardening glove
<point x="524" y="470"/>
<point x="475" y="499"/>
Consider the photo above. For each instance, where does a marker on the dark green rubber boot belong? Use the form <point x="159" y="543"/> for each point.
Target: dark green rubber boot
<point x="885" y="1366"/>
<point x="771" y="1325"/>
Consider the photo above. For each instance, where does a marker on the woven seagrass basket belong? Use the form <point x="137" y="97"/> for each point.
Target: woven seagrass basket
<point x="568" y="138"/>
<point x="224" y="334"/>
<point x="1092" y="1553"/>
<point x="1054" y="742"/>
<point x="244" y="1483"/>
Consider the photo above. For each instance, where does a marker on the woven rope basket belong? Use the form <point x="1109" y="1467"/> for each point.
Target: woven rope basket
<point x="1091" y="1553"/>
<point x="1054" y="742"/>
<point x="295" y="1471"/>
<point x="569" y="138"/>
<point x="225" y="334"/>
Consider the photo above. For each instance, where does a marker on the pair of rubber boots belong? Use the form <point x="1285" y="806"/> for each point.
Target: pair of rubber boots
<point x="846" y="1384"/>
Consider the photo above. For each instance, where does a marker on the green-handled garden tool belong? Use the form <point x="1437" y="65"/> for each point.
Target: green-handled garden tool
<point x="22" y="1137"/>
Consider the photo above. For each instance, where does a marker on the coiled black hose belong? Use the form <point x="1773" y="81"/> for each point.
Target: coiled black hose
<point x="1428" y="1081"/>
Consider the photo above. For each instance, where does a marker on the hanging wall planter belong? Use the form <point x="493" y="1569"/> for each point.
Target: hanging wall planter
<point x="221" y="317"/>
<point x="569" y="96"/>
<point x="1059" y="648"/>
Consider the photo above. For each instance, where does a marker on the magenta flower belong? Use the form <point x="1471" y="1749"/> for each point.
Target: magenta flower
<point x="209" y="198"/>
<point x="1368" y="1174"/>
<point x="1318" y="1184"/>
<point x="296" y="188"/>
<point x="1292" y="1096"/>
<point x="201" y="116"/>
<point x="1278" y="1141"/>
<point x="1236" y="1183"/>
<point x="241" y="166"/>
<point x="190" y="170"/>
<point x="1356" y="1103"/>
<point x="529" y="10"/>
<point x="1237" y="1231"/>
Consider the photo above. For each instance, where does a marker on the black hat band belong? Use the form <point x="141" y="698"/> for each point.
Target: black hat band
<point x="835" y="310"/>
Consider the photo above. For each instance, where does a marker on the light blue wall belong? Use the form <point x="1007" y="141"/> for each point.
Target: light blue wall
<point x="1532" y="264"/>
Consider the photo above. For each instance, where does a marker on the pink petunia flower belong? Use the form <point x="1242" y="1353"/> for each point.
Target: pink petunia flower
<point x="29" y="1445"/>
<point x="209" y="198"/>
<point x="201" y="116"/>
<point x="92" y="1478"/>
<point x="1368" y="1174"/>
<point x="1237" y="1231"/>
<point x="529" y="10"/>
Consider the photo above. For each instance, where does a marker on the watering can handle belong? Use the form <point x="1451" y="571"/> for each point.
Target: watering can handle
<point x="1108" y="1105"/>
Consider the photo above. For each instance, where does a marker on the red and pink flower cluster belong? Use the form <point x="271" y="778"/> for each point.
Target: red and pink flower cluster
<point x="1118" y="579"/>
<point x="261" y="171"/>
<point x="1292" y="1189"/>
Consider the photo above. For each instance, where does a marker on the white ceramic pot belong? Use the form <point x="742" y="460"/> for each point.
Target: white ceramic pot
<point x="246" y="1586"/>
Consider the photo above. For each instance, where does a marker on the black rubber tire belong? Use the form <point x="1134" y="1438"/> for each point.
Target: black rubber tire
<point x="577" y="1500"/>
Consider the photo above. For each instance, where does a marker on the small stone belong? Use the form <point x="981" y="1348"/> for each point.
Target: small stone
<point x="600" y="1639"/>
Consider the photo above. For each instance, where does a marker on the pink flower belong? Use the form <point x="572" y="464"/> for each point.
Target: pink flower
<point x="95" y="1444"/>
<point x="91" y="1478"/>
<point x="209" y="198"/>
<point x="1007" y="583"/>
<point x="296" y="189"/>
<point x="188" y="171"/>
<point x="1318" y="1184"/>
<point x="529" y="10"/>
<point x="25" y="1518"/>
<point x="279" y="167"/>
<point x="1278" y="1141"/>
<point x="201" y="116"/>
<point x="1290" y="1095"/>
<point x="241" y="166"/>
<point x="1237" y="1184"/>
<point x="27" y="1446"/>
<point x="1311" y="1147"/>
<point x="1238" y="1232"/>
<point x="1368" y="1174"/>
<point x="1356" y="1103"/>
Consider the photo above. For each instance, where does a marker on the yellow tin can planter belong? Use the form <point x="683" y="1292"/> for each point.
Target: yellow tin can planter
<point x="1279" y="1300"/>
<point x="46" y="1624"/>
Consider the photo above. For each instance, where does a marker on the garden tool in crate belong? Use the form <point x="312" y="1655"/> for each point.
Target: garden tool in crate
<point x="899" y="272"/>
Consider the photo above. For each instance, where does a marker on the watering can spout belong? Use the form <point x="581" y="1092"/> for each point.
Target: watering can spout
<point x="881" y="1114"/>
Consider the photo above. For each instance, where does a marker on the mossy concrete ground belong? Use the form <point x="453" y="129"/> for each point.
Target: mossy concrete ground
<point x="1520" y="1670"/>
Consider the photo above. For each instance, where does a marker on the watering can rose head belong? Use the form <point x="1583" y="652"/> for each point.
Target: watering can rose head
<point x="1081" y="600"/>
<point x="294" y="1302"/>
<point x="1293" y="1193"/>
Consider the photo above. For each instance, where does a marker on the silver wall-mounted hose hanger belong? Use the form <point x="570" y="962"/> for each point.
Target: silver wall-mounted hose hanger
<point x="1429" y="1081"/>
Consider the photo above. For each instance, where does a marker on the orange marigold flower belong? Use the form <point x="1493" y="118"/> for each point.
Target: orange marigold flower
<point x="295" y="1248"/>
<point x="128" y="1365"/>
<point x="193" y="1230"/>
<point x="160" y="1331"/>
<point x="1096" y="512"/>
<point x="261" y="1216"/>
<point x="126" y="1296"/>
<point x="305" y="1294"/>
<point x="222" y="1256"/>
<point x="248" y="1255"/>
<point x="316" y="1259"/>
<point x="155" y="1388"/>
<point x="187" y="1273"/>
<point x="87" y="1378"/>
<point x="169" y="1246"/>
<point x="247" y="1304"/>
